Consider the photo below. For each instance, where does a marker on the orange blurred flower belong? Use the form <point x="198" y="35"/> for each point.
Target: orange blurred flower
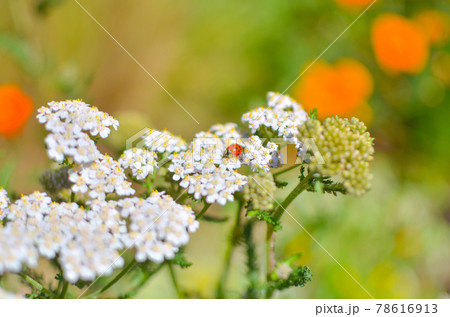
<point x="339" y="89"/>
<point x="15" y="109"/>
<point x="435" y="24"/>
<point x="400" y="44"/>
<point x="354" y="3"/>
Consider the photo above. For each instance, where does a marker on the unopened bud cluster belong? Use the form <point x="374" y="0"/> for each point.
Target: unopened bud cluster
<point x="345" y="149"/>
<point x="260" y="191"/>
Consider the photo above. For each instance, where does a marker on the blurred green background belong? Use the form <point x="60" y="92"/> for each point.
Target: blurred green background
<point x="218" y="59"/>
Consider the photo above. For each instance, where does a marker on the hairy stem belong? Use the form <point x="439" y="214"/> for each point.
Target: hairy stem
<point x="302" y="185"/>
<point x="229" y="252"/>
<point x="36" y="284"/>
<point x="270" y="256"/>
<point x="270" y="236"/>
<point x="252" y="262"/>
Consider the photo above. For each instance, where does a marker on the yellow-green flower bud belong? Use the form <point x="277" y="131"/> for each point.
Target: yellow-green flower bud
<point x="260" y="191"/>
<point x="342" y="148"/>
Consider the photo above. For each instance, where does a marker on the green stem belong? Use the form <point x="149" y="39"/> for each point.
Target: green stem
<point x="64" y="290"/>
<point x="302" y="185"/>
<point x="149" y="183"/>
<point x="205" y="208"/>
<point x="270" y="256"/>
<point x="174" y="281"/>
<point x="115" y="280"/>
<point x="266" y="134"/>
<point x="286" y="170"/>
<point x="252" y="262"/>
<point x="229" y="252"/>
<point x="163" y="161"/>
<point x="270" y="236"/>
<point x="141" y="284"/>
<point x="58" y="288"/>
<point x="36" y="284"/>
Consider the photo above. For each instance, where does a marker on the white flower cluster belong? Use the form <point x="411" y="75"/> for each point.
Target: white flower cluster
<point x="226" y="131"/>
<point x="212" y="146"/>
<point x="4" y="201"/>
<point x="204" y="170"/>
<point x="207" y="171"/>
<point x="106" y="213"/>
<point x="163" y="142"/>
<point x="141" y="162"/>
<point x="17" y="248"/>
<point x="91" y="252"/>
<point x="158" y="226"/>
<point x="101" y="177"/>
<point x="71" y="124"/>
<point x="283" y="115"/>
<point x="218" y="185"/>
<point x="260" y="157"/>
<point x="87" y="242"/>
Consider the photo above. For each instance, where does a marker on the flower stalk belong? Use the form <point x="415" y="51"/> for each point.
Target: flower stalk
<point x="115" y="280"/>
<point x="270" y="235"/>
<point x="36" y="284"/>
<point x="173" y="277"/>
<point x="229" y="252"/>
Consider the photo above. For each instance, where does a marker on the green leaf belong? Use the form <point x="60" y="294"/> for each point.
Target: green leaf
<point x="281" y="184"/>
<point x="265" y="216"/>
<point x="181" y="261"/>
<point x="318" y="187"/>
<point x="292" y="259"/>
<point x="81" y="284"/>
<point x="6" y="172"/>
<point x="44" y="6"/>
<point x="214" y="219"/>
<point x="313" y="114"/>
<point x="22" y="52"/>
<point x="298" y="278"/>
<point x="323" y="184"/>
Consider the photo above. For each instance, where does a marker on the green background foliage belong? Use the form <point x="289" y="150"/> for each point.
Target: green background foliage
<point x="219" y="58"/>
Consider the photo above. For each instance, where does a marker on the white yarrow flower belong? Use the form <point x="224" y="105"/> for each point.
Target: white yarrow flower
<point x="4" y="201"/>
<point x="141" y="162"/>
<point x="284" y="116"/>
<point x="103" y="176"/>
<point x="163" y="142"/>
<point x="87" y="243"/>
<point x="158" y="226"/>
<point x="71" y="123"/>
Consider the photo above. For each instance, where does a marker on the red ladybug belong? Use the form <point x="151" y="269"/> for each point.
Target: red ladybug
<point x="234" y="150"/>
